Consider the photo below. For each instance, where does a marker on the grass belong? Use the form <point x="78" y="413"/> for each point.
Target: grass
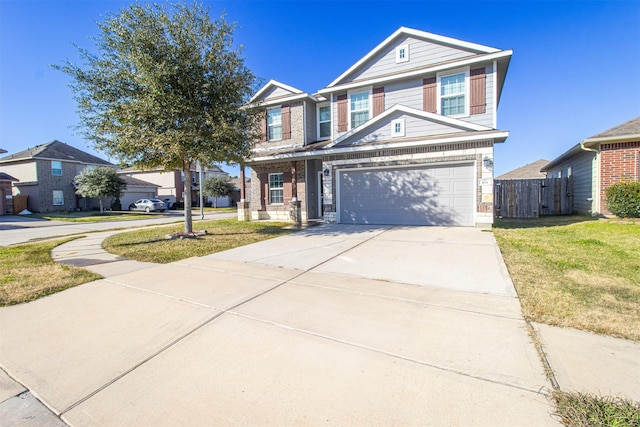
<point x="150" y="245"/>
<point x="587" y="410"/>
<point x="91" y="216"/>
<point x="27" y="272"/>
<point x="576" y="272"/>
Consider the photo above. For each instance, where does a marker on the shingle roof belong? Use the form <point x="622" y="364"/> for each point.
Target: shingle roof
<point x="135" y="181"/>
<point x="7" y="177"/>
<point x="56" y="150"/>
<point x="632" y="127"/>
<point x="530" y="171"/>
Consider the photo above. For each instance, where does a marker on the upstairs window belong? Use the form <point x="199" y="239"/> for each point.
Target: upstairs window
<point x="56" y="168"/>
<point x="276" y="188"/>
<point x="274" y="124"/>
<point x="402" y="53"/>
<point x="452" y="94"/>
<point x="359" y="107"/>
<point x="324" y="122"/>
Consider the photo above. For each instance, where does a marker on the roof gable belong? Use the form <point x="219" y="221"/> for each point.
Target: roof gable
<point x="275" y="89"/>
<point x="416" y="123"/>
<point x="430" y="48"/>
<point x="56" y="150"/>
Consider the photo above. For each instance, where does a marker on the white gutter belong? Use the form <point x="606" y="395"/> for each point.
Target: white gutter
<point x="345" y="150"/>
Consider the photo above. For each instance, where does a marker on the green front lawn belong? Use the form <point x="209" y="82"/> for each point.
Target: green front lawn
<point x="27" y="272"/>
<point x="90" y="216"/>
<point x="576" y="272"/>
<point x="150" y="244"/>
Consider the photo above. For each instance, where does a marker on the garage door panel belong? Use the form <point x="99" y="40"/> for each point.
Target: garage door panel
<point x="424" y="196"/>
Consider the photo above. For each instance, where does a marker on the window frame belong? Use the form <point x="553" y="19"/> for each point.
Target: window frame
<point x="369" y="91"/>
<point x="399" y="50"/>
<point x="400" y="133"/>
<point x="53" y="169"/>
<point x="318" y="121"/>
<point x="61" y="194"/>
<point x="271" y="126"/>
<point x="467" y="93"/>
<point x="278" y="189"/>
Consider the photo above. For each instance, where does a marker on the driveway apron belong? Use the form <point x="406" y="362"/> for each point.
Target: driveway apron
<point x="337" y="325"/>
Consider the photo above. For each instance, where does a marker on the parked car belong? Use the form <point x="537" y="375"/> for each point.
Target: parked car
<point x="148" y="205"/>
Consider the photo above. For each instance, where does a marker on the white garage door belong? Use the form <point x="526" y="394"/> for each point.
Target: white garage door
<point x="407" y="196"/>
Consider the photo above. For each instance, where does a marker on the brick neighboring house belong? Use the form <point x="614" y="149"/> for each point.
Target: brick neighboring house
<point x="46" y="172"/>
<point x="171" y="183"/>
<point x="598" y="162"/>
<point x="404" y="136"/>
<point x="6" y="198"/>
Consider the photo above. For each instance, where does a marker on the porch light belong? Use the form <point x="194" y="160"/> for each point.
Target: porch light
<point x="326" y="172"/>
<point x="487" y="162"/>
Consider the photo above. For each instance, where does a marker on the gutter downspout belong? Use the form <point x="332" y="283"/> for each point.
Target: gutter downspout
<point x="595" y="207"/>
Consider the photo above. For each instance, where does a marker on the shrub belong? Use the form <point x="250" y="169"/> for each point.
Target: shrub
<point x="623" y="199"/>
<point x="116" y="205"/>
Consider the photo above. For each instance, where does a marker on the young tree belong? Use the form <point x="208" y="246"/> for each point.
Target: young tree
<point x="217" y="186"/>
<point x="166" y="88"/>
<point x="99" y="182"/>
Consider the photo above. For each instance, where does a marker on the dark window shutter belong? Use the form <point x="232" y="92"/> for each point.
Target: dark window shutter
<point x="478" y="91"/>
<point x="429" y="95"/>
<point x="263" y="178"/>
<point x="378" y="100"/>
<point x="342" y="113"/>
<point x="286" y="122"/>
<point x="263" y="127"/>
<point x="287" y="191"/>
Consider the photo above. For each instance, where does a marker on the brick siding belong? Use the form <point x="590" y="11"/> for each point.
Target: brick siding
<point x="618" y="162"/>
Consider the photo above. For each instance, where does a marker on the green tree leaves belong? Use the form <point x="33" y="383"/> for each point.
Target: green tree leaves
<point x="99" y="182"/>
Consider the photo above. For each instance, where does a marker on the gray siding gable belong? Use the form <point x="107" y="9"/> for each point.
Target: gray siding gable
<point x="415" y="127"/>
<point x="275" y="92"/>
<point x="422" y="53"/>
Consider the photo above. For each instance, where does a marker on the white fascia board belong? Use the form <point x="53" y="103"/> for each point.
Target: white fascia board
<point x="274" y="83"/>
<point x="365" y="148"/>
<point x="611" y="139"/>
<point x="419" y="34"/>
<point x="413" y="73"/>
<point x="412" y="111"/>
<point x="278" y="101"/>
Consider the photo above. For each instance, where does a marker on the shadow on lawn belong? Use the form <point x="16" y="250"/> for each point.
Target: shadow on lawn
<point x="545" y="221"/>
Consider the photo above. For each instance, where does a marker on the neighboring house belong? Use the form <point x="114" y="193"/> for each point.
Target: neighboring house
<point x="171" y="183"/>
<point x="598" y="162"/>
<point x="529" y="171"/>
<point x="136" y="189"/>
<point x="46" y="175"/>
<point x="404" y="136"/>
<point x="6" y="197"/>
<point x="235" y="198"/>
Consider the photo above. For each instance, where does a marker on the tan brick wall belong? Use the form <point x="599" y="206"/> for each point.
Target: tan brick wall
<point x="618" y="162"/>
<point x="297" y="131"/>
<point x="279" y="212"/>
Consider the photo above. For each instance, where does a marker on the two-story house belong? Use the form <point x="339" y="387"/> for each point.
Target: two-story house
<point x="404" y="136"/>
<point x="46" y="174"/>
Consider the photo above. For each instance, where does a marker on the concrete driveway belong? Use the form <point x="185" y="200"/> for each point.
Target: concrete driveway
<point x="335" y="325"/>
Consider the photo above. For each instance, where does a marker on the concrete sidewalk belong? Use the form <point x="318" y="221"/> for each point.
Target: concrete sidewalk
<point x="310" y="328"/>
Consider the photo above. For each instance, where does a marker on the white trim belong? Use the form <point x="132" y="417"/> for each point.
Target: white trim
<point x="304" y="120"/>
<point x="401" y="132"/>
<point x="402" y="49"/>
<point x="495" y="94"/>
<point x="279" y="101"/>
<point x="419" y="71"/>
<point x="278" y="188"/>
<point x="277" y="84"/>
<point x="366" y="148"/>
<point x="320" y="199"/>
<point x="318" y="106"/>
<point x="467" y="91"/>
<point x="415" y="112"/>
<point x="369" y="90"/>
<point x="419" y="34"/>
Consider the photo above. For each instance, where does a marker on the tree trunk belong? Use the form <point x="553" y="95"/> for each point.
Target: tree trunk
<point x="215" y="202"/>
<point x="100" y="199"/>
<point x="188" y="224"/>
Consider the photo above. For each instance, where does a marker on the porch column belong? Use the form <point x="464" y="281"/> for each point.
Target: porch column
<point x="296" y="211"/>
<point x="243" y="205"/>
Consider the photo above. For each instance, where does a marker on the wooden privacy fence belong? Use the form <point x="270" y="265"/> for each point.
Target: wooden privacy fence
<point x="19" y="203"/>
<point x="531" y="198"/>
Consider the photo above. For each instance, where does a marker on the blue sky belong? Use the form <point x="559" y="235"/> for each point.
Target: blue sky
<point x="575" y="70"/>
